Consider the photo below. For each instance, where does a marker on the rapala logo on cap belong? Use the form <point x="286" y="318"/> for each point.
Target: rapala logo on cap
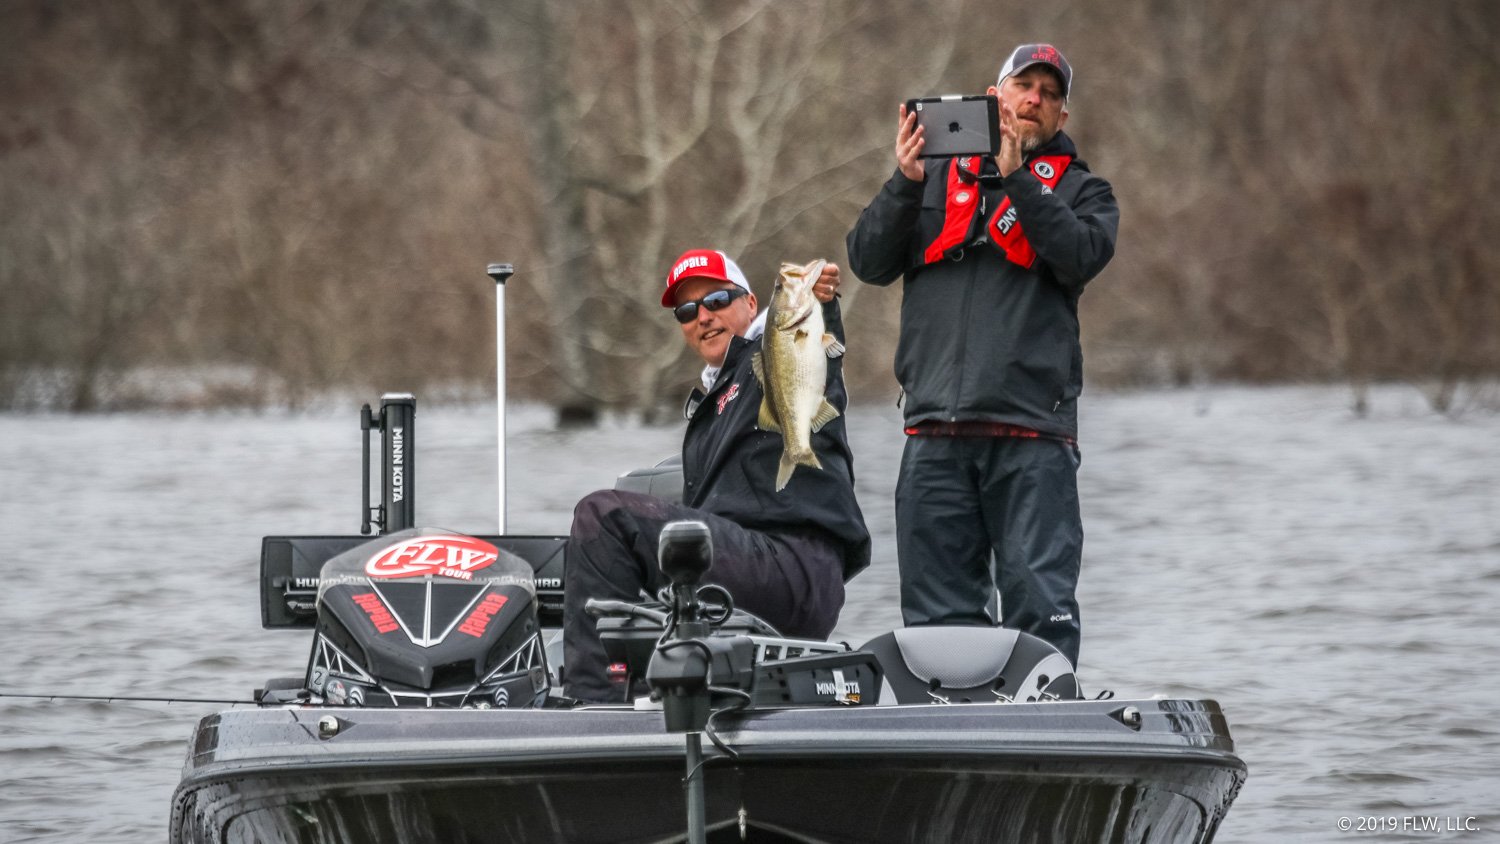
<point x="686" y="264"/>
<point x="1046" y="53"/>
<point x="444" y="555"/>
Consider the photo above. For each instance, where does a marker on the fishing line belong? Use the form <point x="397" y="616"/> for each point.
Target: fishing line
<point x="125" y="698"/>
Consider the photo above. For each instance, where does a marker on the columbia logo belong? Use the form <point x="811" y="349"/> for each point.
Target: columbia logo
<point x="1067" y="616"/>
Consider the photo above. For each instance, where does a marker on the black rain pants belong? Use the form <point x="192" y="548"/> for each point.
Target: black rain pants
<point x="961" y="501"/>
<point x="793" y="580"/>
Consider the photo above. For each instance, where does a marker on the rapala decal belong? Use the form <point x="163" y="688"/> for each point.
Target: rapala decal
<point x="729" y="396"/>
<point x="479" y="619"/>
<point x="443" y="555"/>
<point x="374" y="608"/>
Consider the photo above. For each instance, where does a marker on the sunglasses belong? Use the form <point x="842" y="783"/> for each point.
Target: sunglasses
<point x="715" y="301"/>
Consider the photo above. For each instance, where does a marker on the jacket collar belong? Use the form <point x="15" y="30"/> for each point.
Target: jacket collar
<point x="1060" y="144"/>
<point x="710" y="376"/>
<point x="713" y="377"/>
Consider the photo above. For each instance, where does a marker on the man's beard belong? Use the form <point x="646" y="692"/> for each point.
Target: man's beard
<point x="1030" y="141"/>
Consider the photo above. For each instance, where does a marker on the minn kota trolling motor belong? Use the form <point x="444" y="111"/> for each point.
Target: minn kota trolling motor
<point x="396" y="422"/>
<point x="703" y="658"/>
<point x="691" y="666"/>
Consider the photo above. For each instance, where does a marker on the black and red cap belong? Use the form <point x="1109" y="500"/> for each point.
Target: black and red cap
<point x="1027" y="55"/>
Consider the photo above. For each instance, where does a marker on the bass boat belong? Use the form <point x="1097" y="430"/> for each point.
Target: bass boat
<point x="431" y="710"/>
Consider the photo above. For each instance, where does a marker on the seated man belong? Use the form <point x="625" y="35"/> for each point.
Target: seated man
<point x="783" y="555"/>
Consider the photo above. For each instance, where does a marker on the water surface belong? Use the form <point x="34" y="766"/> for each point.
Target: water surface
<point x="1331" y="580"/>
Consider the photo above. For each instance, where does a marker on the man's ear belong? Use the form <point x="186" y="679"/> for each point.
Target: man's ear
<point x="750" y="300"/>
<point x="992" y="91"/>
<point x="1062" y="119"/>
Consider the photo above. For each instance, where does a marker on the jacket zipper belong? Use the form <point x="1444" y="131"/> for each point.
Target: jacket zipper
<point x="963" y="330"/>
<point x="958" y="355"/>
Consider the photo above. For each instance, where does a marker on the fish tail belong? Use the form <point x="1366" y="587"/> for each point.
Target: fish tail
<point x="791" y="460"/>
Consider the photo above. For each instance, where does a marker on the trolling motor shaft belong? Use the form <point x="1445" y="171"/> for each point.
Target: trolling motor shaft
<point x="681" y="667"/>
<point x="692" y="664"/>
<point x="396" y="423"/>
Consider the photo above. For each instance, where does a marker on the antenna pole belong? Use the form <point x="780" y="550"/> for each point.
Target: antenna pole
<point x="500" y="272"/>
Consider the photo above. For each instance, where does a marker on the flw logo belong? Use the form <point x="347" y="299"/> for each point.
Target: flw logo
<point x="442" y="555"/>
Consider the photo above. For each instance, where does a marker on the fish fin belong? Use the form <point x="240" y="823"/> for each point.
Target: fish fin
<point x="759" y="368"/>
<point x="789" y="462"/>
<point x="766" y="421"/>
<point x="826" y="413"/>
<point x="832" y="347"/>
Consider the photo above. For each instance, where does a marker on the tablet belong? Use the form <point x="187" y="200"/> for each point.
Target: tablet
<point x="958" y="125"/>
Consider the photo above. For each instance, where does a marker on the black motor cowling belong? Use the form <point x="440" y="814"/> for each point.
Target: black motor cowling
<point x="427" y="617"/>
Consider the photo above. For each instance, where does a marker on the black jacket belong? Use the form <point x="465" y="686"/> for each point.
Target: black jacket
<point x="983" y="338"/>
<point x="729" y="465"/>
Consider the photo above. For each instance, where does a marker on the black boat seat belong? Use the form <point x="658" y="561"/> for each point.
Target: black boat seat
<point x="664" y="480"/>
<point x="950" y="664"/>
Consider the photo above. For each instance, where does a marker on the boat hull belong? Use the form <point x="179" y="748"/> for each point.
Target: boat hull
<point x="1060" y="771"/>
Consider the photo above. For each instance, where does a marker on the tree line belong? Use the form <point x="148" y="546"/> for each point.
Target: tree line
<point x="288" y="197"/>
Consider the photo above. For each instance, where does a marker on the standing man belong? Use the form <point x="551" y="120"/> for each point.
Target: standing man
<point x="996" y="252"/>
<point x="782" y="555"/>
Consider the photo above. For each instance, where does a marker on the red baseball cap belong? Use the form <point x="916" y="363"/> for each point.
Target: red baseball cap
<point x="702" y="263"/>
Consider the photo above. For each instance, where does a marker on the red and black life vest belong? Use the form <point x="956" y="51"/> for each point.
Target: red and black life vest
<point x="1003" y="228"/>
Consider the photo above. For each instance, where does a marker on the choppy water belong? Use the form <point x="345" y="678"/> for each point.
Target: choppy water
<point x="1331" y="580"/>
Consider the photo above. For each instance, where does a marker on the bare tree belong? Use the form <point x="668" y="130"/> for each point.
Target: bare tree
<point x="658" y="128"/>
<point x="308" y="192"/>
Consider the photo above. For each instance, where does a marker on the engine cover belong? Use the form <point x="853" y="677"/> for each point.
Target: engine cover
<point x="427" y="617"/>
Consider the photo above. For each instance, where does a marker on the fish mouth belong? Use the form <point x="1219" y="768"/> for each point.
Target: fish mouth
<point x="789" y="318"/>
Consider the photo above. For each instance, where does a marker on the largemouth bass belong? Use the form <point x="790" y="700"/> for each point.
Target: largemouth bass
<point x="792" y="368"/>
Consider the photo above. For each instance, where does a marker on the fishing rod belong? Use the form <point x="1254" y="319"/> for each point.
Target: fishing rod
<point x="126" y="698"/>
